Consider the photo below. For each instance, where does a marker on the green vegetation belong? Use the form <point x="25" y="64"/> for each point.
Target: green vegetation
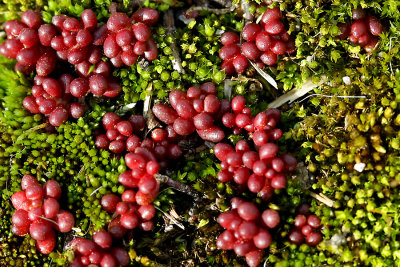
<point x="346" y="137"/>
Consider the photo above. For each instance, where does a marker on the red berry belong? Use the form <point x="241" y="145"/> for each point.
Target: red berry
<point x="111" y="48"/>
<point x="77" y="54"/>
<point x="183" y="126"/>
<point x="344" y="30"/>
<point x="40" y="230"/>
<point x="314" y="221"/>
<point x="28" y="56"/>
<point x="102" y="142"/>
<point x="242" y="247"/>
<point x="313" y="239"/>
<point x="14" y="28"/>
<point x="208" y="88"/>
<point x="270" y="218"/>
<point x="278" y="181"/>
<point x="100" y="35"/>
<point x="263" y="41"/>
<point x="250" y="31"/>
<point x="371" y="45"/>
<point x="358" y="29"/>
<point x="47" y="106"/>
<point x="240" y="64"/>
<point x="250" y="50"/>
<point x="296" y="237"/>
<point x="274" y="27"/>
<point x="248" y="211"/>
<point x="47" y="245"/>
<point x="29" y="103"/>
<point x="79" y="87"/>
<point x="278" y="48"/>
<point x="71" y="24"/>
<point x="269" y="58"/>
<point x="109" y="202"/>
<point x="110" y="120"/>
<point x="152" y="167"/>
<point x="254" y="258"/>
<point x="263" y="239"/>
<point x="151" y="52"/>
<point x="76" y="110"/>
<point x="358" y="13"/>
<point x="306" y="230"/>
<point x="228" y="38"/>
<point x="84" y="37"/>
<point x="103" y="239"/>
<point x="247" y="230"/>
<point x="31" y="19"/>
<point x="364" y="40"/>
<point x="374" y="26"/>
<point x="290" y="46"/>
<point x="213" y="134"/>
<point x="34" y="191"/>
<point x="227" y="65"/>
<point x="58" y="116"/>
<point x="229" y="51"/>
<point x="129" y="220"/>
<point x="124" y="37"/>
<point x="89" y="19"/>
<point x="211" y="104"/>
<point x="58" y="21"/>
<point x="141" y="31"/>
<point x="147" y="15"/>
<point x="46" y="32"/>
<point x="125" y="128"/>
<point x="238" y="104"/>
<point x="29" y="38"/>
<point x="270" y="15"/>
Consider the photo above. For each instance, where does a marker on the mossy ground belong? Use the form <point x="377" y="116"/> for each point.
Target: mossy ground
<point x="328" y="135"/>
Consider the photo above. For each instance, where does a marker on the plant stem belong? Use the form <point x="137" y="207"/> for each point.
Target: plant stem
<point x="170" y="25"/>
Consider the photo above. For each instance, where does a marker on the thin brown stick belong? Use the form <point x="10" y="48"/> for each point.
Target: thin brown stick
<point x="246" y="12"/>
<point x="178" y="186"/>
<point x="171" y="29"/>
<point x="225" y="3"/>
<point x="218" y="11"/>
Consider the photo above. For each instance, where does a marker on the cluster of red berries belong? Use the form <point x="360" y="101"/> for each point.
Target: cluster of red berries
<point x="199" y="109"/>
<point x="38" y="213"/>
<point x="134" y="207"/>
<point x="263" y="43"/>
<point x="144" y="158"/>
<point x="24" y="43"/>
<point x="363" y="31"/>
<point x="126" y="42"/>
<point x="306" y="227"/>
<point x="53" y="97"/>
<point x="195" y="110"/>
<point x="247" y="230"/>
<point x="38" y="46"/>
<point x="261" y="169"/>
<point x="122" y="136"/>
<point x="98" y="252"/>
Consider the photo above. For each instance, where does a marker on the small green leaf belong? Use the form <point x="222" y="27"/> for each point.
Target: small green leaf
<point x="335" y="55"/>
<point x="203" y="222"/>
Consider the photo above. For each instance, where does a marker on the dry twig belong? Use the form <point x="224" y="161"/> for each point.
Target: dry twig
<point x="170" y="26"/>
<point x="324" y="199"/>
<point x="218" y="11"/>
